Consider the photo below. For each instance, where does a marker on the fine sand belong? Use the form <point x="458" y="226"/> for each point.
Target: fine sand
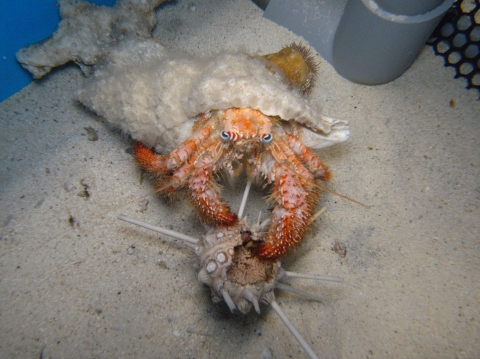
<point x="78" y="283"/>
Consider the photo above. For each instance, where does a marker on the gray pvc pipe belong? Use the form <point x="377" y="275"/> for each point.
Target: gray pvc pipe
<point x="373" y="45"/>
<point x="408" y="7"/>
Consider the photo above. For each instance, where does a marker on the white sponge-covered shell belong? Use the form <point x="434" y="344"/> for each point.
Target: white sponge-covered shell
<point x="155" y="96"/>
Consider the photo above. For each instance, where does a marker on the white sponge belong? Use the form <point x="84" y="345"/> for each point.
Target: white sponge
<point x="155" y="95"/>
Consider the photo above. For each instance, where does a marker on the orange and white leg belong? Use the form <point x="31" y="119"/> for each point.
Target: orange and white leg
<point x="168" y="185"/>
<point x="159" y="165"/>
<point x="167" y="182"/>
<point x="284" y="155"/>
<point x="313" y="163"/>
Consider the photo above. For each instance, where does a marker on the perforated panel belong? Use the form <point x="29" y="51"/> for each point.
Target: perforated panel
<point x="457" y="39"/>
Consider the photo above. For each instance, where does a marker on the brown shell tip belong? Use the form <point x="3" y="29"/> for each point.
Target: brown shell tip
<point x="297" y="64"/>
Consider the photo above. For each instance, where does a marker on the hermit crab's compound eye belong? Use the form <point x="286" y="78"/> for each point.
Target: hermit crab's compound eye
<point x="267" y="138"/>
<point x="224" y="135"/>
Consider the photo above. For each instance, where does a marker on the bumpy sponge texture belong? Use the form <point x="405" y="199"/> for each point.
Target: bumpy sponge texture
<point x="156" y="97"/>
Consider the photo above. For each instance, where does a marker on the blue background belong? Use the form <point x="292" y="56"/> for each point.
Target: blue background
<point x="22" y="23"/>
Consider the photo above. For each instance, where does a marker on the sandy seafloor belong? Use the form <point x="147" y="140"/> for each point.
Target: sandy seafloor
<point x="78" y="283"/>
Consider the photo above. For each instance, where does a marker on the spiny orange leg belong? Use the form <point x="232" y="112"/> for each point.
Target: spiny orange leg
<point x="167" y="180"/>
<point x="179" y="179"/>
<point x="146" y="158"/>
<point x="155" y="164"/>
<point x="313" y="163"/>
<point x="204" y="191"/>
<point x="160" y="165"/>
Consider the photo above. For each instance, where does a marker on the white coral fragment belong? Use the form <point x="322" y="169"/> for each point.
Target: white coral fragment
<point x="86" y="31"/>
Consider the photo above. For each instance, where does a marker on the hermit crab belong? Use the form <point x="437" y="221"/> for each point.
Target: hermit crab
<point x="220" y="115"/>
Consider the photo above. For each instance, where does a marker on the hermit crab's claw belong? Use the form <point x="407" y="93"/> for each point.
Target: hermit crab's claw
<point x="204" y="192"/>
<point x="291" y="216"/>
<point x="295" y="170"/>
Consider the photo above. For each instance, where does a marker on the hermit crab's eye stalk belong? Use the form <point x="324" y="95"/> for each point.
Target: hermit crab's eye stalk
<point x="224" y="135"/>
<point x="267" y="138"/>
